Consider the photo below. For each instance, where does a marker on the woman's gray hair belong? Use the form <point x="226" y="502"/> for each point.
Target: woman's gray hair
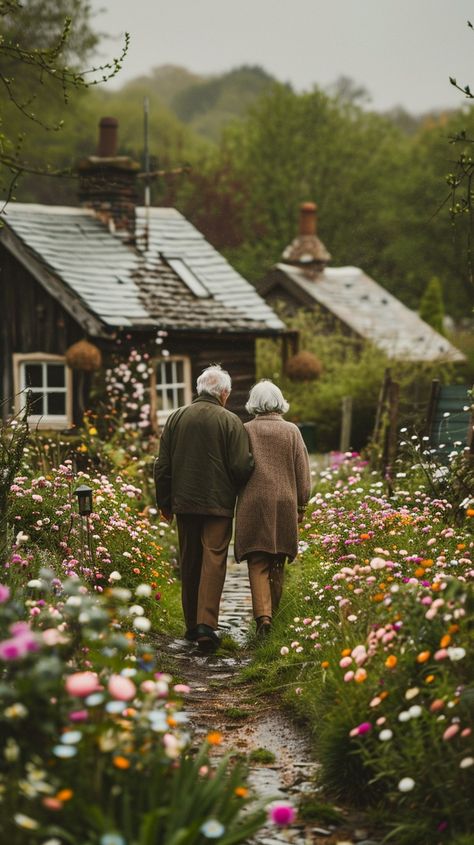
<point x="214" y="380"/>
<point x="266" y="398"/>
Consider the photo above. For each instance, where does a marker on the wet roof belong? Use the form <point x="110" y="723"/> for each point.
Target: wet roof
<point x="106" y="281"/>
<point x="370" y="311"/>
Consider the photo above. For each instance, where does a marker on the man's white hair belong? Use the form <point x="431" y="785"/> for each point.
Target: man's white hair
<point x="266" y="398"/>
<point x="214" y="380"/>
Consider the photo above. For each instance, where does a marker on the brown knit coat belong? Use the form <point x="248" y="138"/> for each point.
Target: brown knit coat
<point x="267" y="507"/>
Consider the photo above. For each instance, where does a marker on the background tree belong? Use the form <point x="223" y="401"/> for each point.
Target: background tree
<point x="431" y="305"/>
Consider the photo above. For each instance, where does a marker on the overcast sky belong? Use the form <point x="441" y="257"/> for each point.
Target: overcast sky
<point x="402" y="51"/>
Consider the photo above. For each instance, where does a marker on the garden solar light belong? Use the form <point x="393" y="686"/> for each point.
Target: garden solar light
<point x="84" y="497"/>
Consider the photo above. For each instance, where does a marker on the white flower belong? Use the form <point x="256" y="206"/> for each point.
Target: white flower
<point x="404" y="716"/>
<point x="141" y="624"/>
<point x="115" y="576"/>
<point x="143" y="590"/>
<point x="385" y="735"/>
<point x="466" y="762"/>
<point x="415" y="711"/>
<point x="21" y="538"/>
<point x="136" y="610"/>
<point x="412" y="693"/>
<point x="456" y="653"/>
<point x="35" y="584"/>
<point x="406" y="784"/>
<point x="284" y="650"/>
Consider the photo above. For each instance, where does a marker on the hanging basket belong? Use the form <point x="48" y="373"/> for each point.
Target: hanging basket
<point x="303" y="367"/>
<point x="84" y="356"/>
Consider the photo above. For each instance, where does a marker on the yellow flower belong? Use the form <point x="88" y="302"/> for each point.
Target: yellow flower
<point x="429" y="679"/>
<point x="92" y="431"/>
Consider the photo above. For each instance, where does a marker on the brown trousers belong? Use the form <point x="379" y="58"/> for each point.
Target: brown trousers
<point x="266" y="574"/>
<point x="203" y="545"/>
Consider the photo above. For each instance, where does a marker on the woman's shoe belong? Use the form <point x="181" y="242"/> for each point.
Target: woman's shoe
<point x="264" y="626"/>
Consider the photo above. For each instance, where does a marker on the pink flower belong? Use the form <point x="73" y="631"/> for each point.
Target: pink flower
<point x="345" y="662"/>
<point x="183" y="688"/>
<point x="451" y="731"/>
<point x="364" y="728"/>
<point x="4" y="594"/>
<point x="121" y="688"/>
<point x="82" y="684"/>
<point x="282" y="813"/>
<point x="78" y="715"/>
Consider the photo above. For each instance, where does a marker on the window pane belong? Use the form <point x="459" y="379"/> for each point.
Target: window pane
<point x="56" y="375"/>
<point x="37" y="404"/>
<point x="161" y="373"/>
<point x="179" y="371"/>
<point x="57" y="404"/>
<point x="33" y="375"/>
<point x="181" y="399"/>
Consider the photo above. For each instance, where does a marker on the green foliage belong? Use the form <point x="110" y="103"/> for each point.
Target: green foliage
<point x="431" y="305"/>
<point x="261" y="755"/>
<point x="13" y="438"/>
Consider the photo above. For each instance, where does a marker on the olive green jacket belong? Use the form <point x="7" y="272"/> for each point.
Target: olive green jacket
<point x="204" y="459"/>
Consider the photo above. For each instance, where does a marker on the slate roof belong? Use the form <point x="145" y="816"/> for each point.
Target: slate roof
<point x="368" y="309"/>
<point x="107" y="283"/>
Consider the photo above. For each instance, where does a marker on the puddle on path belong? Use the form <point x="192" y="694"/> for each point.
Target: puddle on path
<point x="211" y="700"/>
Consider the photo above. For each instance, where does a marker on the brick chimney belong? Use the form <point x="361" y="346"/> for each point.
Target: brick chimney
<point x="108" y="182"/>
<point x="306" y="250"/>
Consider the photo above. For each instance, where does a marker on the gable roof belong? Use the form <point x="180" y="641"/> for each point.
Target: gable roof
<point x="367" y="308"/>
<point x="105" y="283"/>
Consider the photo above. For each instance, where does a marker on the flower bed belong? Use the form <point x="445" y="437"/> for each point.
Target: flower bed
<point x="372" y="648"/>
<point x="94" y="741"/>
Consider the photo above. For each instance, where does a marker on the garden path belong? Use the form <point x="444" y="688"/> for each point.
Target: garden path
<point x="220" y="702"/>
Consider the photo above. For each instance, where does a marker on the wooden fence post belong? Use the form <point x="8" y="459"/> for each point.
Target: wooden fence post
<point x="346" y="424"/>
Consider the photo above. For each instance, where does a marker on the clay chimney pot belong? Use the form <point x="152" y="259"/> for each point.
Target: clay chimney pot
<point x="107" y="146"/>
<point x="308" y="218"/>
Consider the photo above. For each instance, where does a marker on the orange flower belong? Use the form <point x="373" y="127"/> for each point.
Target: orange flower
<point x="64" y="794"/>
<point x="444" y="641"/>
<point x="427" y="562"/>
<point x="461" y="546"/>
<point x="360" y="675"/>
<point x="325" y="664"/>
<point x="470" y="512"/>
<point x="378" y="597"/>
<point x="214" y="738"/>
<point x="453" y="629"/>
<point x="241" y="792"/>
<point x="383" y="694"/>
<point x="171" y="722"/>
<point x="121" y="762"/>
<point x="345" y="652"/>
<point x="391" y="661"/>
<point x="436" y="587"/>
<point x="429" y="679"/>
<point x="423" y="656"/>
<point x="419" y="572"/>
<point x="364" y="536"/>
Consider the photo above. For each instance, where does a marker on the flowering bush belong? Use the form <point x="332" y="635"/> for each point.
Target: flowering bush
<point x="94" y="742"/>
<point x="375" y="639"/>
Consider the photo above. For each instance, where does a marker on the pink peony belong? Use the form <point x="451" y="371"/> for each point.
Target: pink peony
<point x="4" y="593"/>
<point x="451" y="731"/>
<point x="82" y="684"/>
<point x="79" y="715"/>
<point x="121" y="688"/>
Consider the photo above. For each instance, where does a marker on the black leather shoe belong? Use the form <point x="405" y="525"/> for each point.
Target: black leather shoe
<point x="206" y="637"/>
<point x="190" y="635"/>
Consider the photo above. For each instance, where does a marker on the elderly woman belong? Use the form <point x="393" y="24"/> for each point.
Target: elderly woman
<point x="273" y="501"/>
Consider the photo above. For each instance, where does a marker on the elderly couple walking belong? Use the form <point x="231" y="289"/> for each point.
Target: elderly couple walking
<point x="208" y="459"/>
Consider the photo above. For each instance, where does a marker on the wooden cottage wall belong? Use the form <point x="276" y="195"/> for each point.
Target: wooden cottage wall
<point x="32" y="321"/>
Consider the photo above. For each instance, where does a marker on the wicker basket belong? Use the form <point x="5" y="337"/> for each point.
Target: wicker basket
<point x="304" y="367"/>
<point x="84" y="356"/>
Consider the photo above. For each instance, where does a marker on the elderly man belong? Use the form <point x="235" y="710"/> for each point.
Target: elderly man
<point x="203" y="462"/>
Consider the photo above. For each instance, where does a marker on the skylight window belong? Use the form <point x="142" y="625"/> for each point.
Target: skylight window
<point x="188" y="277"/>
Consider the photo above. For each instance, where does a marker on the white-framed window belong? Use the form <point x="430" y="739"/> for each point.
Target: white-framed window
<point x="188" y="276"/>
<point x="170" y="386"/>
<point x="49" y="381"/>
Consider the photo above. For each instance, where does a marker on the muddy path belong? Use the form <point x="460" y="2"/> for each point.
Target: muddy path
<point x="281" y="764"/>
